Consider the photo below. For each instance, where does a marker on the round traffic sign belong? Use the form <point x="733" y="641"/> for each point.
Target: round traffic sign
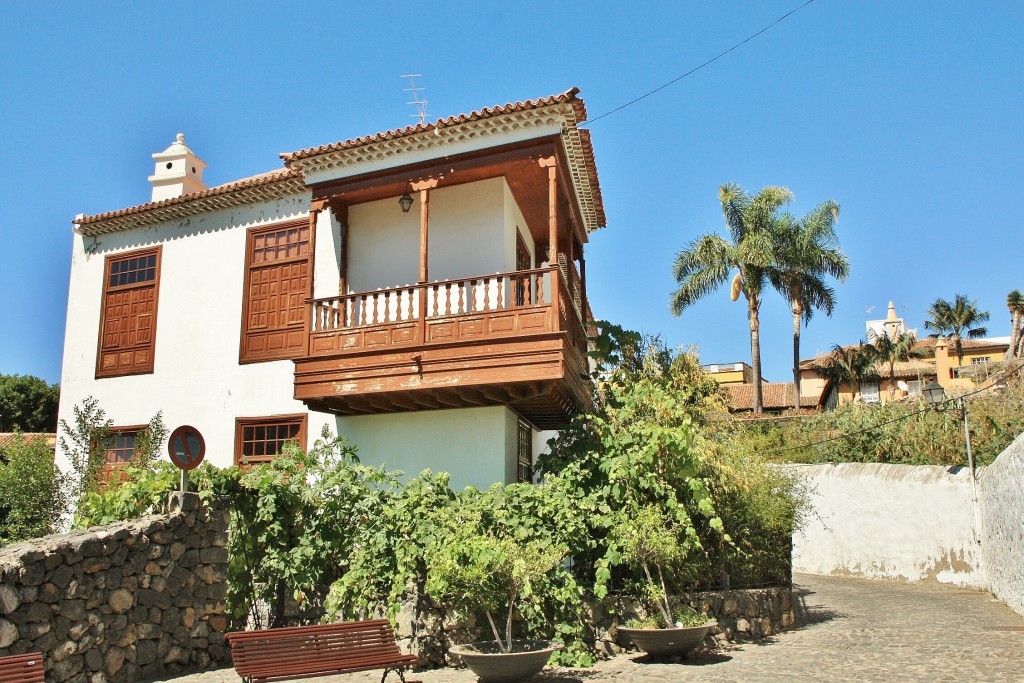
<point x="186" y="447"/>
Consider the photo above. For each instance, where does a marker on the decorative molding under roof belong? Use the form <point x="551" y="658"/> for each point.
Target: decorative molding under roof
<point x="259" y="188"/>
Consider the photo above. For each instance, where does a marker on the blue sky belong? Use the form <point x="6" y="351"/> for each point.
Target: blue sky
<point x="907" y="114"/>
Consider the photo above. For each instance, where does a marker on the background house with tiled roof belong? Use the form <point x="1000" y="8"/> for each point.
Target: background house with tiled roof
<point x="420" y="291"/>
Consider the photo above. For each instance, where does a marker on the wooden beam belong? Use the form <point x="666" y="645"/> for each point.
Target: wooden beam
<point x="448" y="398"/>
<point x="473" y="396"/>
<point x="340" y="211"/>
<point x="550" y="163"/>
<point x="478" y="165"/>
<point x="424" y="187"/>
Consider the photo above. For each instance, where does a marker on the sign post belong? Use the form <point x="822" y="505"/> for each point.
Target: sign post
<point x="187" y="449"/>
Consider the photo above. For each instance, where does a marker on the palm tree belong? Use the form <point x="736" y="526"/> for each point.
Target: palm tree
<point x="952" y="320"/>
<point x="1015" y="303"/>
<point x="891" y="349"/>
<point x="706" y="263"/>
<point x="851" y="364"/>
<point x="807" y="251"/>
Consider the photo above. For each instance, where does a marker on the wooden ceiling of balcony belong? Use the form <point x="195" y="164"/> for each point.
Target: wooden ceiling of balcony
<point x="517" y="163"/>
<point x="546" y="404"/>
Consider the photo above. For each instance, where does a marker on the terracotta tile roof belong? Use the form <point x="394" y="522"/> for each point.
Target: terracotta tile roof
<point x="269" y="185"/>
<point x="7" y="438"/>
<point x="485" y="113"/>
<point x="774" y="396"/>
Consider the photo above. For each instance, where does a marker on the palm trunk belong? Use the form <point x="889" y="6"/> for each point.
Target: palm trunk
<point x="755" y="351"/>
<point x="1014" y="334"/>
<point x="797" y="315"/>
<point x="892" y="381"/>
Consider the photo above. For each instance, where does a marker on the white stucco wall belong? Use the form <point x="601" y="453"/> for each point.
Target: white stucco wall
<point x="466" y="237"/>
<point x="475" y="445"/>
<point x="1001" y="489"/>
<point x="197" y="379"/>
<point x="899" y="522"/>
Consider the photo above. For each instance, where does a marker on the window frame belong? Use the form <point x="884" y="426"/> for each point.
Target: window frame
<point x="107" y="289"/>
<point x="302" y="419"/>
<point x="875" y="397"/>
<point x="251" y="234"/>
<point x="109" y="469"/>
<point x="524" y="447"/>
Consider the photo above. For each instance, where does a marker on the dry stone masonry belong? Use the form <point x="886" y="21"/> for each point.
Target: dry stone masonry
<point x="753" y="614"/>
<point x="124" y="601"/>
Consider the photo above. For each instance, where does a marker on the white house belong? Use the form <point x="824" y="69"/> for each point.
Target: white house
<point x="395" y="288"/>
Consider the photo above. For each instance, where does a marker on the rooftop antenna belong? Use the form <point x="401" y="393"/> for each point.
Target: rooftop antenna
<point x="421" y="105"/>
<point x="867" y="311"/>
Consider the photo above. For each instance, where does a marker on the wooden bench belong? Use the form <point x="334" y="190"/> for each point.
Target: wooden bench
<point x="279" y="654"/>
<point x="26" y="668"/>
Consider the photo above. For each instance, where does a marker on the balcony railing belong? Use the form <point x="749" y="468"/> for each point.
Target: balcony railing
<point x="478" y="308"/>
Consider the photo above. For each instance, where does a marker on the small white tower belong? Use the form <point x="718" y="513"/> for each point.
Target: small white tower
<point x="178" y="171"/>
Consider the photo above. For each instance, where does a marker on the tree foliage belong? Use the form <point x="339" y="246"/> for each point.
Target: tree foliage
<point x="806" y="253"/>
<point x="706" y="264"/>
<point x="85" y="442"/>
<point x="28" y="404"/>
<point x="32" y="496"/>
<point x="956" y="319"/>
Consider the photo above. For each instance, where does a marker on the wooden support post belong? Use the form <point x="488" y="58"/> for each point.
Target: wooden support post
<point x="424" y="187"/>
<point x="315" y="207"/>
<point x="550" y="163"/>
<point x="340" y="212"/>
<point x="583" y="290"/>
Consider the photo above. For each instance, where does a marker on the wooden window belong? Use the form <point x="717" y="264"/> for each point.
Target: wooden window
<point x="277" y="272"/>
<point x="128" y="322"/>
<point x="120" y="449"/>
<point x="259" y="439"/>
<point x="525" y="453"/>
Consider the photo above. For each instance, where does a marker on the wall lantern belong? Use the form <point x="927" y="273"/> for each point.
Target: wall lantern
<point x="934" y="394"/>
<point x="405" y="201"/>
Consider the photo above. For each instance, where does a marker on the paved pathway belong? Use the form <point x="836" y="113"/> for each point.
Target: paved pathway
<point x="848" y="630"/>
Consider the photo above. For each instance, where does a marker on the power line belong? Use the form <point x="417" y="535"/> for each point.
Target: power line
<point x="698" y="68"/>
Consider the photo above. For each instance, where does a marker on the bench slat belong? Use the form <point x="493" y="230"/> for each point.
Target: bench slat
<point x="26" y="668"/>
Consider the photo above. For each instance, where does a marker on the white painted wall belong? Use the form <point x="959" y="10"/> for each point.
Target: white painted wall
<point x="515" y="223"/>
<point x="476" y="445"/>
<point x="900" y="522"/>
<point x="466" y="237"/>
<point x="197" y="379"/>
<point x="1001" y="490"/>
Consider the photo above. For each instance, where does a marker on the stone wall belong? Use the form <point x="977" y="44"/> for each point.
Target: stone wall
<point x="428" y="632"/>
<point x="1001" y="490"/>
<point x="120" y="602"/>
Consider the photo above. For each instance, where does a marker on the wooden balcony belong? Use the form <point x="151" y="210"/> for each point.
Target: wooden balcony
<point x="510" y="338"/>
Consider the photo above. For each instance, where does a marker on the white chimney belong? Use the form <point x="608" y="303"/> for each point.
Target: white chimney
<point x="178" y="171"/>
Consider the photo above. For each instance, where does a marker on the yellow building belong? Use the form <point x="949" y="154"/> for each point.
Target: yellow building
<point x="731" y="373"/>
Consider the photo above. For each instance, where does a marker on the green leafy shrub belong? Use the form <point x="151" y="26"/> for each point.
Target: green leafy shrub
<point x="901" y="432"/>
<point x="32" y="498"/>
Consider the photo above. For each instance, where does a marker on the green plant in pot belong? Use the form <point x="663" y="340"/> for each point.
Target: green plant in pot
<point x="649" y="540"/>
<point x="472" y="566"/>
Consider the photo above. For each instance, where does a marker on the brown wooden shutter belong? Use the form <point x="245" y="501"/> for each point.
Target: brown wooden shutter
<point x="128" y="322"/>
<point x="277" y="284"/>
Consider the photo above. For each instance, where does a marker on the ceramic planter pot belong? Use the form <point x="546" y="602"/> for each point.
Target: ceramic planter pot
<point x="667" y="642"/>
<point x="487" y="660"/>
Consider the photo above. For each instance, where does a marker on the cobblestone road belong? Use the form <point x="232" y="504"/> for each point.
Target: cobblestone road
<point x="848" y="630"/>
